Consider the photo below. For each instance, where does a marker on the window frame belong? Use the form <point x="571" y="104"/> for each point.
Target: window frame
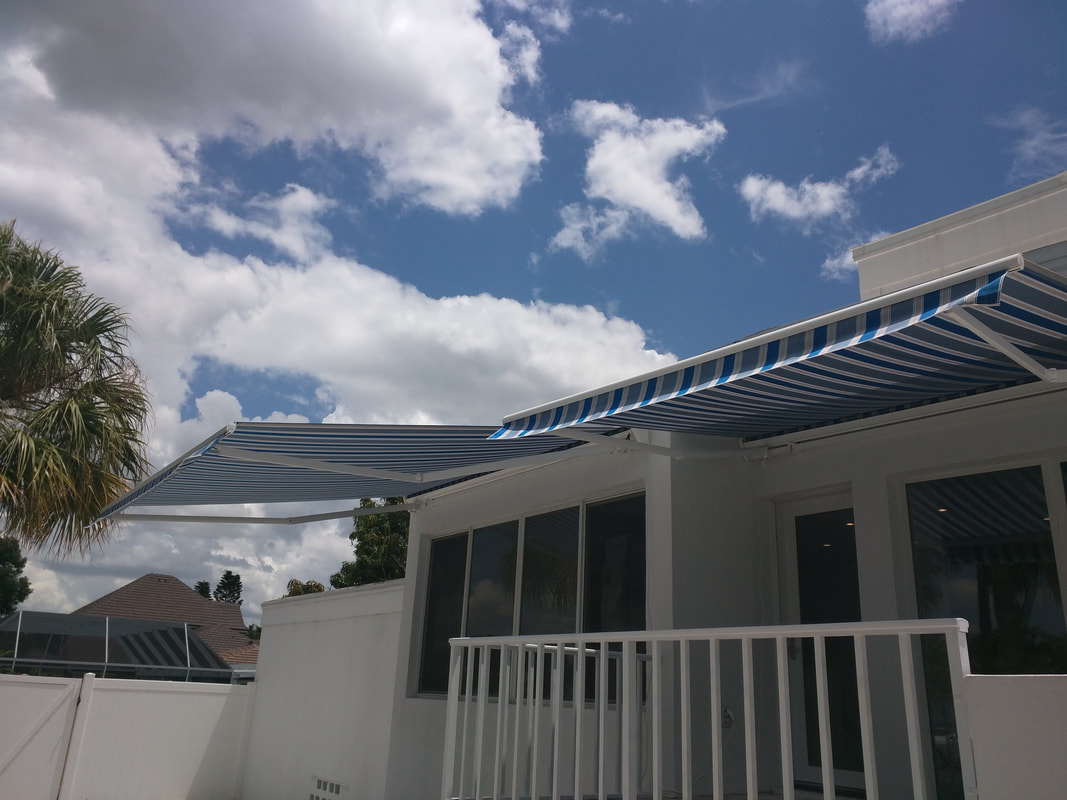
<point x="516" y="619"/>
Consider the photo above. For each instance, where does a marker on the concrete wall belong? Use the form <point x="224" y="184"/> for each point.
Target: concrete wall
<point x="324" y="686"/>
<point x="1018" y="724"/>
<point x="124" y="739"/>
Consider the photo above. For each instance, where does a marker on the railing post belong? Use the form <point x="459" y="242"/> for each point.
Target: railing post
<point x="911" y="714"/>
<point x="863" y="688"/>
<point x="448" y="769"/>
<point x="748" y="680"/>
<point x="959" y="665"/>
<point x="629" y="702"/>
<point x="785" y="720"/>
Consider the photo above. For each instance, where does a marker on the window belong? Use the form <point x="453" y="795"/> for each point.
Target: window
<point x="480" y="586"/>
<point x="982" y="547"/>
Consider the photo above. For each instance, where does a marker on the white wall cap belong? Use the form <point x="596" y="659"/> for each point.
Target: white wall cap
<point x="1020" y="221"/>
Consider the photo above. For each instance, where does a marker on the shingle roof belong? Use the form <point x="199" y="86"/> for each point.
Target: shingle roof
<point x="221" y="626"/>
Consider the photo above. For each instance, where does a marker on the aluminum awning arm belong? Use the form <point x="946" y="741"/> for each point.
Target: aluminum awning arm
<point x="407" y="477"/>
<point x="970" y="321"/>
<point x="629" y="445"/>
<point x="298" y="520"/>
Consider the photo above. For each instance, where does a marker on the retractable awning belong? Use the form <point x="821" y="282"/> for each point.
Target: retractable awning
<point x="993" y="326"/>
<point x="264" y="462"/>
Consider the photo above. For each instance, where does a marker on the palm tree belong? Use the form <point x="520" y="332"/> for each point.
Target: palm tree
<point x="73" y="405"/>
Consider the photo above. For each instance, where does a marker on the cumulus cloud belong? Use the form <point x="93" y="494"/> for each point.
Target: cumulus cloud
<point x="907" y="20"/>
<point x="419" y="86"/>
<point x="629" y="167"/>
<point x="811" y="202"/>
<point x="103" y="181"/>
<point x="1040" y="150"/>
<point x="523" y="51"/>
<point x="586" y="230"/>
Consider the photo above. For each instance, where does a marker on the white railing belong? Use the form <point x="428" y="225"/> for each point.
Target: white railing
<point x="652" y="713"/>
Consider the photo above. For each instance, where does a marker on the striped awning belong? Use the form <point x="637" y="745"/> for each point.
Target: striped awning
<point x="985" y="328"/>
<point x="265" y="462"/>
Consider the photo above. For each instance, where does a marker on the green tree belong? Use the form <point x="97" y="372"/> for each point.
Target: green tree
<point x="14" y="586"/>
<point x="203" y="588"/>
<point x="228" y="589"/>
<point x="380" y="547"/>
<point x="254" y="632"/>
<point x="73" y="405"/>
<point x="295" y="588"/>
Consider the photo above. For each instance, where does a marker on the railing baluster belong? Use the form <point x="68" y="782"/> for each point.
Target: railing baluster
<point x="558" y="660"/>
<point x="911" y="713"/>
<point x="629" y="703"/>
<point x="863" y="689"/>
<point x="469" y="665"/>
<point x="716" y="720"/>
<point x="657" y="721"/>
<point x="687" y="722"/>
<point x="825" y="745"/>
<point x="579" y="713"/>
<point x="520" y="702"/>
<point x="785" y="721"/>
<point x="539" y="696"/>
<point x="958" y="666"/>
<point x="502" y="697"/>
<point x="479" y="720"/>
<point x="602" y="725"/>
<point x="751" y="778"/>
<point x="448" y="770"/>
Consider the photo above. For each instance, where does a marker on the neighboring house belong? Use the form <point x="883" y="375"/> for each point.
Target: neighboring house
<point x="164" y="598"/>
<point x="737" y="575"/>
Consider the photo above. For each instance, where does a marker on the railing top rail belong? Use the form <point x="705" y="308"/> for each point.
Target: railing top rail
<point x="878" y="628"/>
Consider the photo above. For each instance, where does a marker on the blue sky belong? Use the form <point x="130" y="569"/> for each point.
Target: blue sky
<point x="443" y="211"/>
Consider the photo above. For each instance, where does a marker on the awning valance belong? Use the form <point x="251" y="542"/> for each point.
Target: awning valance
<point x="264" y="462"/>
<point x="985" y="328"/>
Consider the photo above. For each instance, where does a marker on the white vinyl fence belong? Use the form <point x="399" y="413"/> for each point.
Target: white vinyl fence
<point x="103" y="739"/>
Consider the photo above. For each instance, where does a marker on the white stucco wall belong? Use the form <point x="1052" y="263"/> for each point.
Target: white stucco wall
<point x="1019" y="725"/>
<point x="417" y="746"/>
<point x="324" y="685"/>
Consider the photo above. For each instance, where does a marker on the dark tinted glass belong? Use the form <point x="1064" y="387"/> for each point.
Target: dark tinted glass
<point x="491" y="602"/>
<point x="982" y="547"/>
<point x="444" y="609"/>
<point x="615" y="565"/>
<point x="550" y="573"/>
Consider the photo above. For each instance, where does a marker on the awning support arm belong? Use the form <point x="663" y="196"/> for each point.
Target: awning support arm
<point x="410" y="477"/>
<point x="622" y="445"/>
<point x="969" y="321"/>
<point x="299" y="520"/>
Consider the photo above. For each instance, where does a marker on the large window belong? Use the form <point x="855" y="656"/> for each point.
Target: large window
<point x="524" y="577"/>
<point x="982" y="546"/>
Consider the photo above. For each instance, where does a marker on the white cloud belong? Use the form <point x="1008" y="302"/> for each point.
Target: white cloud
<point x="102" y="185"/>
<point x="907" y="20"/>
<point x="811" y="202"/>
<point x="287" y="221"/>
<point x="554" y="15"/>
<point x="586" y="230"/>
<point x="629" y="167"/>
<point x="523" y="51"/>
<point x="1041" y="149"/>
<point x="420" y="86"/>
<point x="780" y="79"/>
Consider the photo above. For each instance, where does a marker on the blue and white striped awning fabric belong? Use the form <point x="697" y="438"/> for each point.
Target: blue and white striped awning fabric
<point x="910" y="348"/>
<point x="264" y="462"/>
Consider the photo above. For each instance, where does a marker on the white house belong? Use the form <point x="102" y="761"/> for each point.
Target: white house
<point x="742" y="575"/>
